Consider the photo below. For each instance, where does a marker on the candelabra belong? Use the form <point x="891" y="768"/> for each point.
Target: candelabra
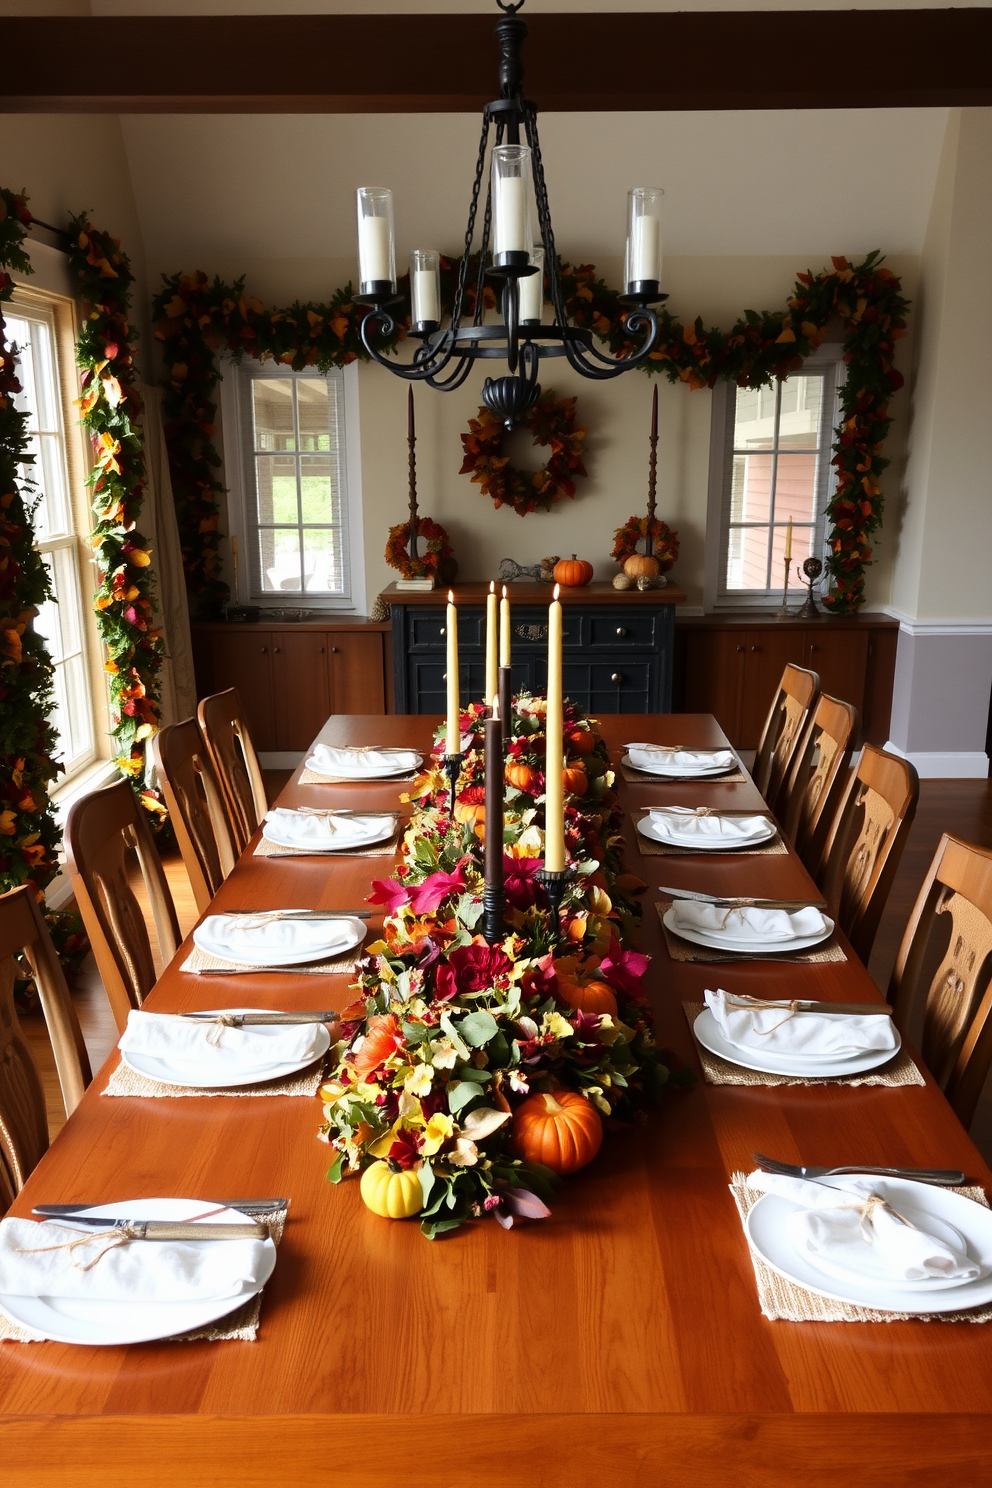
<point x="453" y="768"/>
<point x="555" y="882"/>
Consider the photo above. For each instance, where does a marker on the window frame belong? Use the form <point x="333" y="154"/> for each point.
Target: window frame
<point x="828" y="360"/>
<point x="238" y="451"/>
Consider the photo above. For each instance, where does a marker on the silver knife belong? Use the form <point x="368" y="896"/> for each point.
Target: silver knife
<point x="741" y="902"/>
<point x="304" y="914"/>
<point x="252" y="1020"/>
<point x="259" y="1206"/>
<point x="162" y="1229"/>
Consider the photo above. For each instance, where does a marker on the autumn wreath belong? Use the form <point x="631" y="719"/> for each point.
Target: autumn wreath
<point x="427" y="561"/>
<point x="631" y="535"/>
<point x="551" y="421"/>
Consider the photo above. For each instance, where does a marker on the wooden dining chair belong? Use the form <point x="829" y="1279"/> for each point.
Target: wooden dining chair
<point x="782" y="733"/>
<point x="957" y="1024"/>
<point x="23" y="1117"/>
<point x="196" y="807"/>
<point x="865" y="842"/>
<point x="817" y="778"/>
<point x="232" y="754"/>
<point x="100" y="829"/>
<point x="23" y="932"/>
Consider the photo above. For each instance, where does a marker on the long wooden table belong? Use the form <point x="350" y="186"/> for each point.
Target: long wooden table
<point x="619" y="1342"/>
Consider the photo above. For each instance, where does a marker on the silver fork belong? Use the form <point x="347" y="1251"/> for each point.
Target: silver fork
<point x="941" y="1177"/>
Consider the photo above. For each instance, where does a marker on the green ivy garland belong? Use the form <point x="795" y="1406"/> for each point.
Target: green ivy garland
<point x="197" y="319"/>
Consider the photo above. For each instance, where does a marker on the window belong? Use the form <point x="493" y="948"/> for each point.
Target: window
<point x="770" y="462"/>
<point x="297" y="518"/>
<point x="32" y="331"/>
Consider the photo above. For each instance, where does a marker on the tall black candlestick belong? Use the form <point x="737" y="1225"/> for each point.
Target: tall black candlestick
<point x="505" y="700"/>
<point x="492" y="893"/>
<point x="652" y="472"/>
<point x="411" y="439"/>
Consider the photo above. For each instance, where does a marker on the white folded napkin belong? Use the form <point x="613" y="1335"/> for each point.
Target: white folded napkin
<point x="774" y="1028"/>
<point x="212" y="1046"/>
<point x="656" y="757"/>
<point x="140" y="1271"/>
<point x="748" y="922"/>
<point x="327" y="760"/>
<point x="307" y="829"/>
<point x="832" y="1223"/>
<point x="274" y="937"/>
<point x="683" y="823"/>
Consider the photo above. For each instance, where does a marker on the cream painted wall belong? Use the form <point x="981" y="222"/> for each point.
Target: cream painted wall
<point x="617" y="415"/>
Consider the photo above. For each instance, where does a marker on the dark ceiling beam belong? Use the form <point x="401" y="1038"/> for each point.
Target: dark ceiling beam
<point x="447" y="63"/>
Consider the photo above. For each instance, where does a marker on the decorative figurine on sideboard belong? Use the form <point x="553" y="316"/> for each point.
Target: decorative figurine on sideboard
<point x="646" y="568"/>
<point x="812" y="568"/>
<point x="437" y="563"/>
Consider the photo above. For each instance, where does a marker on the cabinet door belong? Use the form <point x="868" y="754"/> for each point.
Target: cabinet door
<point x="242" y="658"/>
<point x="714" y="677"/>
<point x="302" y="686"/>
<point x="358" y="680"/>
<point x="768" y="654"/>
<point x="840" y="657"/>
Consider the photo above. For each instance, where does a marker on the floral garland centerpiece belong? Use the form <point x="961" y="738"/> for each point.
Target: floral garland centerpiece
<point x="470" y="1077"/>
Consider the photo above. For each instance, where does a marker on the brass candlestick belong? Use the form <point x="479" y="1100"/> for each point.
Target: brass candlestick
<point x="783" y="613"/>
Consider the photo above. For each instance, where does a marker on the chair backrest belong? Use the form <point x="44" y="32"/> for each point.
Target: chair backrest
<point x="23" y="929"/>
<point x="782" y="733"/>
<point x="816" y="780"/>
<point x="196" y="807"/>
<point x="957" y="1030"/>
<point x="99" y="830"/>
<point x="865" y="842"/>
<point x="232" y="754"/>
<point x="23" y="1118"/>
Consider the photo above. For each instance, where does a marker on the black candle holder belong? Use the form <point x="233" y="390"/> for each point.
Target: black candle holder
<point x="453" y="768"/>
<point x="555" y="882"/>
<point x="505" y="702"/>
<point x="493" y="926"/>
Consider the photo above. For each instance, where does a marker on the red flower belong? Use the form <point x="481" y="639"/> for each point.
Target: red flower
<point x="474" y="968"/>
<point x="520" y="882"/>
<point x="405" y="1151"/>
<point x="390" y="892"/>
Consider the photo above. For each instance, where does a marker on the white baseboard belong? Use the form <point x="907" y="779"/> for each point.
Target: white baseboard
<point x="946" y="765"/>
<point x="281" y="759"/>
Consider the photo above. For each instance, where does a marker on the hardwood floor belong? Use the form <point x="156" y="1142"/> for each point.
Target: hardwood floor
<point x="961" y="807"/>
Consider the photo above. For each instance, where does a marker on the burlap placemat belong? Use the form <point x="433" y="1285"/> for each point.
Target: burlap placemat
<point x="644" y="777"/>
<point x="787" y="1301"/>
<point x="901" y="1069"/>
<point x="241" y="1324"/>
<point x="126" y="1081"/>
<point x="200" y="961"/>
<point x="650" y="848"/>
<point x="267" y="849"/>
<point x="684" y="950"/>
<point x="310" y="777"/>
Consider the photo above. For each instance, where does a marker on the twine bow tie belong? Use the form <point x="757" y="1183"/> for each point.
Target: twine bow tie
<point x="790" y="1010"/>
<point x="217" y="1026"/>
<point x="115" y="1237"/>
<point x="868" y="1208"/>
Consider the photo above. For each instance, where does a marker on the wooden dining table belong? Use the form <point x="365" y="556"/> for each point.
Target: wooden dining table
<point x="620" y="1342"/>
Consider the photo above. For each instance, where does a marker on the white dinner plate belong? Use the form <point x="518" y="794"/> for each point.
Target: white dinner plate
<point x="695" y="772"/>
<point x="73" y="1320"/>
<point x="175" y="1072"/>
<point x="259" y="957"/>
<point x="655" y="829"/>
<point x="715" y="941"/>
<point x="765" y="1226"/>
<point x="707" y="1031"/>
<point x="344" y="774"/>
<point x="377" y="829"/>
<point x="870" y="1267"/>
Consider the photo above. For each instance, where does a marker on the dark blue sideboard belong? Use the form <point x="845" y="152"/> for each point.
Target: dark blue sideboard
<point x="618" y="646"/>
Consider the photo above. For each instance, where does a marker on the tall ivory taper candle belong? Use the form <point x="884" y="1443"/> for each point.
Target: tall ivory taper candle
<point x="504" y="630"/>
<point x="492" y="653"/>
<point x="454" y="733"/>
<point x="554" y="790"/>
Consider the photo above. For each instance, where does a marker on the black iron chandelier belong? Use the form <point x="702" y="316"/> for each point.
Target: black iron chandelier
<point x="507" y="253"/>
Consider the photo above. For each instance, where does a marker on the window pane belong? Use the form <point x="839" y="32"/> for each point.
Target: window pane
<point x="279" y="555"/>
<point x="800" y="422"/>
<point x="39" y="399"/>
<point x="751" y="491"/>
<point x="319" y="504"/>
<point x="747" y="558"/>
<point x="314" y="414"/>
<point x="276" y="476"/>
<point x="272" y="408"/>
<point x="322" y="559"/>
<point x="802" y="538"/>
<point x="754" y="419"/>
<point x="795" y="488"/>
<point x="59" y="622"/>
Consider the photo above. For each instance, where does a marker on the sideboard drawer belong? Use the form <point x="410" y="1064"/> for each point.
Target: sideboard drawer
<point x="621" y="632"/>
<point x="427" y="631"/>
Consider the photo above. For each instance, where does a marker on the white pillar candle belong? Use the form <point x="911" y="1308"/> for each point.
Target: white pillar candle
<point x="532" y="290"/>
<point x="646" y="249"/>
<point x="554" y="776"/>
<point x="510" y="234"/>
<point x="492" y="665"/>
<point x="425" y="297"/>
<point x="373" y="249"/>
<point x="504" y="630"/>
<point x="453" y="737"/>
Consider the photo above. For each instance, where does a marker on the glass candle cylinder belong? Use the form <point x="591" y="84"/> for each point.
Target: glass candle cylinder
<point x="532" y="289"/>
<point x="513" y="192"/>
<point x="376" y="250"/>
<point x="643" y="259"/>
<point x="425" y="286"/>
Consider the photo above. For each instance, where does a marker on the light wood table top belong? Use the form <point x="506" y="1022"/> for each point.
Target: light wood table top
<point x="619" y="1342"/>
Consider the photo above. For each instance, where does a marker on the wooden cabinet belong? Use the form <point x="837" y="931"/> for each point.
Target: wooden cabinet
<point x="730" y="666"/>
<point x="292" y="677"/>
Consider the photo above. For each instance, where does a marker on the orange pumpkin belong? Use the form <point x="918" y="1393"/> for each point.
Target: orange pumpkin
<point x="576" y="780"/>
<point x="562" y="1130"/>
<point x="520" y="775"/>
<point x="583" y="741"/>
<point x="589" y="997"/>
<point x="641" y="566"/>
<point x="573" y="572"/>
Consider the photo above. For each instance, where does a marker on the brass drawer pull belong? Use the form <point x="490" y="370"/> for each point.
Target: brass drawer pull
<point x="621" y="630"/>
<point x="532" y="632"/>
<point x="617" y="677"/>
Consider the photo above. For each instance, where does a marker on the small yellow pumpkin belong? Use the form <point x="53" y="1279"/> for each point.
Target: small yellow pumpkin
<point x="641" y="566"/>
<point x="392" y="1191"/>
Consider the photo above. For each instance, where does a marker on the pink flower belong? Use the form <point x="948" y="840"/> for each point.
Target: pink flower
<point x="624" y="970"/>
<point x="390" y="892"/>
<point x="434" y="890"/>
<point x="520" y="882"/>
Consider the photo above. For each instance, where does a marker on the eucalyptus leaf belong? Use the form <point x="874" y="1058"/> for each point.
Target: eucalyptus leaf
<point x="460" y="1094"/>
<point x="415" y="1033"/>
<point x="438" y="1227"/>
<point x="336" y="1171"/>
<point x="478" y="1028"/>
<point x="427" y="1180"/>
